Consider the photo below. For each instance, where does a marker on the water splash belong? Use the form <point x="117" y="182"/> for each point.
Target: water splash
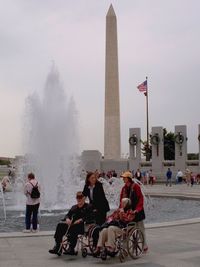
<point x="3" y="201"/>
<point x="51" y="141"/>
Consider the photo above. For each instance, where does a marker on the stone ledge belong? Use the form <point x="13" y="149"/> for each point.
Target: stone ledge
<point x="189" y="196"/>
<point x="148" y="226"/>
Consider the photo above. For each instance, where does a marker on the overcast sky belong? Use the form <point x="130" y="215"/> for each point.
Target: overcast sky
<point x="158" y="39"/>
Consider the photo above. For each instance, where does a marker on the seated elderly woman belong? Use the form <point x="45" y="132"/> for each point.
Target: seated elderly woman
<point x="113" y="227"/>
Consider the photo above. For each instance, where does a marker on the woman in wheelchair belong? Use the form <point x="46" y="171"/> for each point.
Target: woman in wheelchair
<point x="113" y="227"/>
<point x="73" y="225"/>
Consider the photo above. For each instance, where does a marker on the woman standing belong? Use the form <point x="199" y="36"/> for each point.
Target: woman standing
<point x="133" y="191"/>
<point x="32" y="192"/>
<point x="93" y="189"/>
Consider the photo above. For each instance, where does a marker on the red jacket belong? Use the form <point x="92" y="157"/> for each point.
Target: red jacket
<point x="126" y="192"/>
<point x="124" y="216"/>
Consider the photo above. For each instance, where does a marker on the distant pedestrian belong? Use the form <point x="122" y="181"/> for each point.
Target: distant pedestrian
<point x="169" y="177"/>
<point x="151" y="178"/>
<point x="179" y="177"/>
<point x="198" y="178"/>
<point x="147" y="177"/>
<point x="32" y="193"/>
<point x="192" y="179"/>
<point x="188" y="176"/>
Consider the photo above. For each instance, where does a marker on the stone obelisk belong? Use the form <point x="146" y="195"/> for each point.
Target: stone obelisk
<point x="112" y="139"/>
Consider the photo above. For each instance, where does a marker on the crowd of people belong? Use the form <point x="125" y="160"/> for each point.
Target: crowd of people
<point x="145" y="177"/>
<point x="188" y="177"/>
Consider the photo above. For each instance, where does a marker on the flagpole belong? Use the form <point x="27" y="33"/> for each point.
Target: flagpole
<point x="148" y="156"/>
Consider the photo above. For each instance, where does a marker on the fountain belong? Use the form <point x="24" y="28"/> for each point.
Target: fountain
<point x="3" y="202"/>
<point x="51" y="143"/>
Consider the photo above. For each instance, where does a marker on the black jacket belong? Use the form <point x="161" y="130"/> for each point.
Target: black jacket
<point x="99" y="201"/>
<point x="85" y="213"/>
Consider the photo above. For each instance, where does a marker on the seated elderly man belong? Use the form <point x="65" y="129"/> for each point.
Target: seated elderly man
<point x="74" y="223"/>
<point x="113" y="227"/>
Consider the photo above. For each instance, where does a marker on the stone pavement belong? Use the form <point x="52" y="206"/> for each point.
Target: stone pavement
<point x="172" y="244"/>
<point x="177" y="246"/>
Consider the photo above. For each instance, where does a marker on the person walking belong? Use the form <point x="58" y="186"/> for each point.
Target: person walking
<point x="32" y="192"/>
<point x="93" y="189"/>
<point x="179" y="177"/>
<point x="151" y="177"/>
<point x="188" y="176"/>
<point x="147" y="177"/>
<point x="169" y="177"/>
<point x="192" y="179"/>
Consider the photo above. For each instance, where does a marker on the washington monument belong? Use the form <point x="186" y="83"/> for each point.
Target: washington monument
<point x="112" y="139"/>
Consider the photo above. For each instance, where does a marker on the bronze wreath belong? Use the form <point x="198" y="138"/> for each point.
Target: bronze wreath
<point x="133" y="140"/>
<point x="155" y="139"/>
<point x="179" y="139"/>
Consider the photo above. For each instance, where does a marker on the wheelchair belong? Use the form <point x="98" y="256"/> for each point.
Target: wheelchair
<point x="129" y="243"/>
<point x="84" y="241"/>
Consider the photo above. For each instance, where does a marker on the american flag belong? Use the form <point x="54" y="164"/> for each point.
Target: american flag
<point x="143" y="87"/>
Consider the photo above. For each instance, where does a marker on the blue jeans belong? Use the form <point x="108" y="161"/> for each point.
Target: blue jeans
<point x="32" y="216"/>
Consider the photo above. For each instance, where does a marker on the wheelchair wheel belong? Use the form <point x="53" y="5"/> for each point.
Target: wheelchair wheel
<point x="64" y="246"/>
<point x="84" y="253"/>
<point x="121" y="258"/>
<point x="90" y="238"/>
<point x="135" y="243"/>
<point x="122" y="255"/>
<point x="104" y="255"/>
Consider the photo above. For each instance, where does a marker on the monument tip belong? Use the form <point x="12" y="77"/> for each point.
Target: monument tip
<point x="111" y="11"/>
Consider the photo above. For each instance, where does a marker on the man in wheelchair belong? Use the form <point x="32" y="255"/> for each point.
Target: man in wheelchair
<point x="113" y="227"/>
<point x="73" y="225"/>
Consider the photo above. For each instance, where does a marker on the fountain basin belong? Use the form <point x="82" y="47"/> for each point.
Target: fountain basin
<point x="162" y="210"/>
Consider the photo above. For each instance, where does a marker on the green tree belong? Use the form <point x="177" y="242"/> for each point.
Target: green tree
<point x="144" y="149"/>
<point x="193" y="156"/>
<point x="5" y="162"/>
<point x="169" y="145"/>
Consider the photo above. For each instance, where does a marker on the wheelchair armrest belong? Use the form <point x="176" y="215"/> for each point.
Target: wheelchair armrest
<point x="131" y="224"/>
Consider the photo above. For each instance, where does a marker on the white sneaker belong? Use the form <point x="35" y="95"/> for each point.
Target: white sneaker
<point x="26" y="231"/>
<point x="34" y="231"/>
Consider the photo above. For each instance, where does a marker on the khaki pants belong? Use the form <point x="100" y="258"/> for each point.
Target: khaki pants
<point x="108" y="236"/>
<point x="140" y="225"/>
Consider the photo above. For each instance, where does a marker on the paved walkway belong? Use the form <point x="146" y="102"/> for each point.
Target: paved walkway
<point x="177" y="246"/>
<point x="170" y="246"/>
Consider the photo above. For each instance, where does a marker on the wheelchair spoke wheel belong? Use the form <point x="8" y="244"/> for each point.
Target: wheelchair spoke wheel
<point x="121" y="257"/>
<point x="90" y="245"/>
<point x="123" y="254"/>
<point x="64" y="246"/>
<point x="84" y="253"/>
<point x="104" y="255"/>
<point x="135" y="244"/>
